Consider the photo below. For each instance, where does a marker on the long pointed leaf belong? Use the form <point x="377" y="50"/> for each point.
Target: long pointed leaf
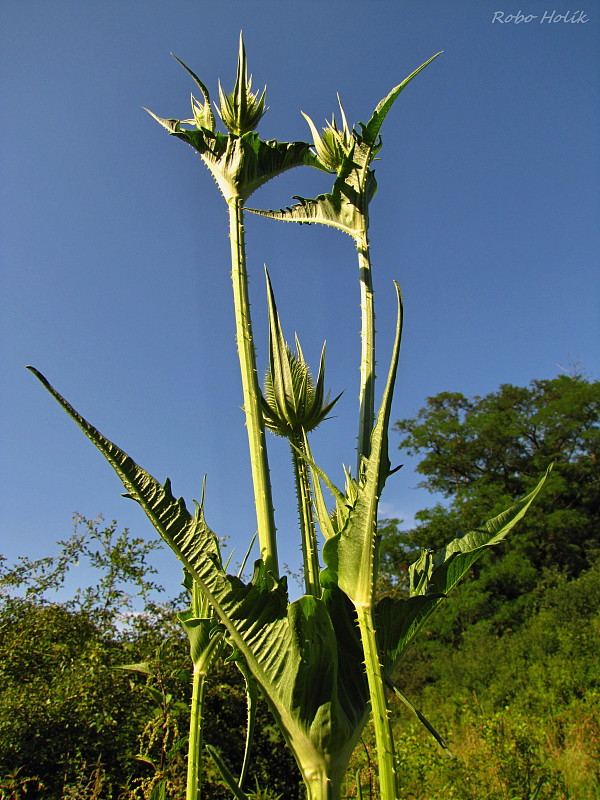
<point x="252" y="707"/>
<point x="398" y="621"/>
<point x="350" y="555"/>
<point x="373" y="126"/>
<point x="226" y="774"/>
<point x="455" y="559"/>
<point x="292" y="650"/>
<point x="421" y="717"/>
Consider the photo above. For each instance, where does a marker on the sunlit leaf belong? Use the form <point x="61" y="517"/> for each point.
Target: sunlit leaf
<point x="399" y="620"/>
<point x="293" y="650"/>
<point x="346" y="206"/>
<point x="350" y="555"/>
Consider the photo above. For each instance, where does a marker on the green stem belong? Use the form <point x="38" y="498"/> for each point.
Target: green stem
<point x="202" y="658"/>
<point x="251" y="391"/>
<point x="320" y="786"/>
<point x="308" y="529"/>
<point x="386" y="757"/>
<point x="192" y="791"/>
<point x="367" y="355"/>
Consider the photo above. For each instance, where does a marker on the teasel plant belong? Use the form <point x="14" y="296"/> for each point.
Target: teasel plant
<point x="349" y="153"/>
<point x="240" y="162"/>
<point x="325" y="661"/>
<point x="293" y="405"/>
<point x="208" y="642"/>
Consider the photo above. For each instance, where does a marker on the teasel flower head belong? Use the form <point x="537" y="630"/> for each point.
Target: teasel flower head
<point x="293" y="403"/>
<point x="241" y="110"/>
<point x="333" y="145"/>
<point x="202" y="115"/>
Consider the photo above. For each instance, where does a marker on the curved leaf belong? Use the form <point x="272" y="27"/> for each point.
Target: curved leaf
<point x="226" y="774"/>
<point x="370" y="131"/>
<point x="291" y="649"/>
<point x="398" y="621"/>
<point x="240" y="164"/>
<point x="350" y="555"/>
<point x="327" y="209"/>
<point x="346" y="206"/>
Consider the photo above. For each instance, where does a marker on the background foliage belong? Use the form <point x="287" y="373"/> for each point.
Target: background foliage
<point x="506" y="670"/>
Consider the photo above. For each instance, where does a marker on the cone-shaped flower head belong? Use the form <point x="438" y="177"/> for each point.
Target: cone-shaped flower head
<point x="239" y="161"/>
<point x="203" y="116"/>
<point x="241" y="110"/>
<point x="292" y="402"/>
<point x="332" y="145"/>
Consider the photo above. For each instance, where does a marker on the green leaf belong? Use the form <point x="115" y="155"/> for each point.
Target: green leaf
<point x="144" y="667"/>
<point x="178" y="745"/>
<point x="293" y="650"/>
<point x="321" y="510"/>
<point x="240" y="164"/>
<point x="147" y="760"/>
<point x="203" y="629"/>
<point x="538" y="788"/>
<point x="457" y="557"/>
<point x="421" y="717"/>
<point x="159" y="791"/>
<point x="338" y="209"/>
<point x="359" y="792"/>
<point x="419" y="572"/>
<point x="346" y="206"/>
<point x="350" y="555"/>
<point x="203" y="113"/>
<point x="205" y="638"/>
<point x="226" y="774"/>
<point x="252" y="707"/>
<point x="156" y="695"/>
<point x="370" y="131"/>
<point x="398" y="621"/>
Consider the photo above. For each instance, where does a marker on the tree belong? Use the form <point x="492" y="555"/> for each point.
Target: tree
<point x="121" y="562"/>
<point x="63" y="709"/>
<point x="73" y="723"/>
<point x="66" y="714"/>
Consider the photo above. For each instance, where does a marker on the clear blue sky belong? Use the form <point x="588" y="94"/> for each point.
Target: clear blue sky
<point x="115" y="259"/>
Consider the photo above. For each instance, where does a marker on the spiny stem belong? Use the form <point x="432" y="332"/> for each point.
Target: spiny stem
<point x="321" y="788"/>
<point x="384" y="740"/>
<point x="367" y="356"/>
<point x="251" y="392"/>
<point x="199" y="608"/>
<point x="310" y="553"/>
<point x="193" y="784"/>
